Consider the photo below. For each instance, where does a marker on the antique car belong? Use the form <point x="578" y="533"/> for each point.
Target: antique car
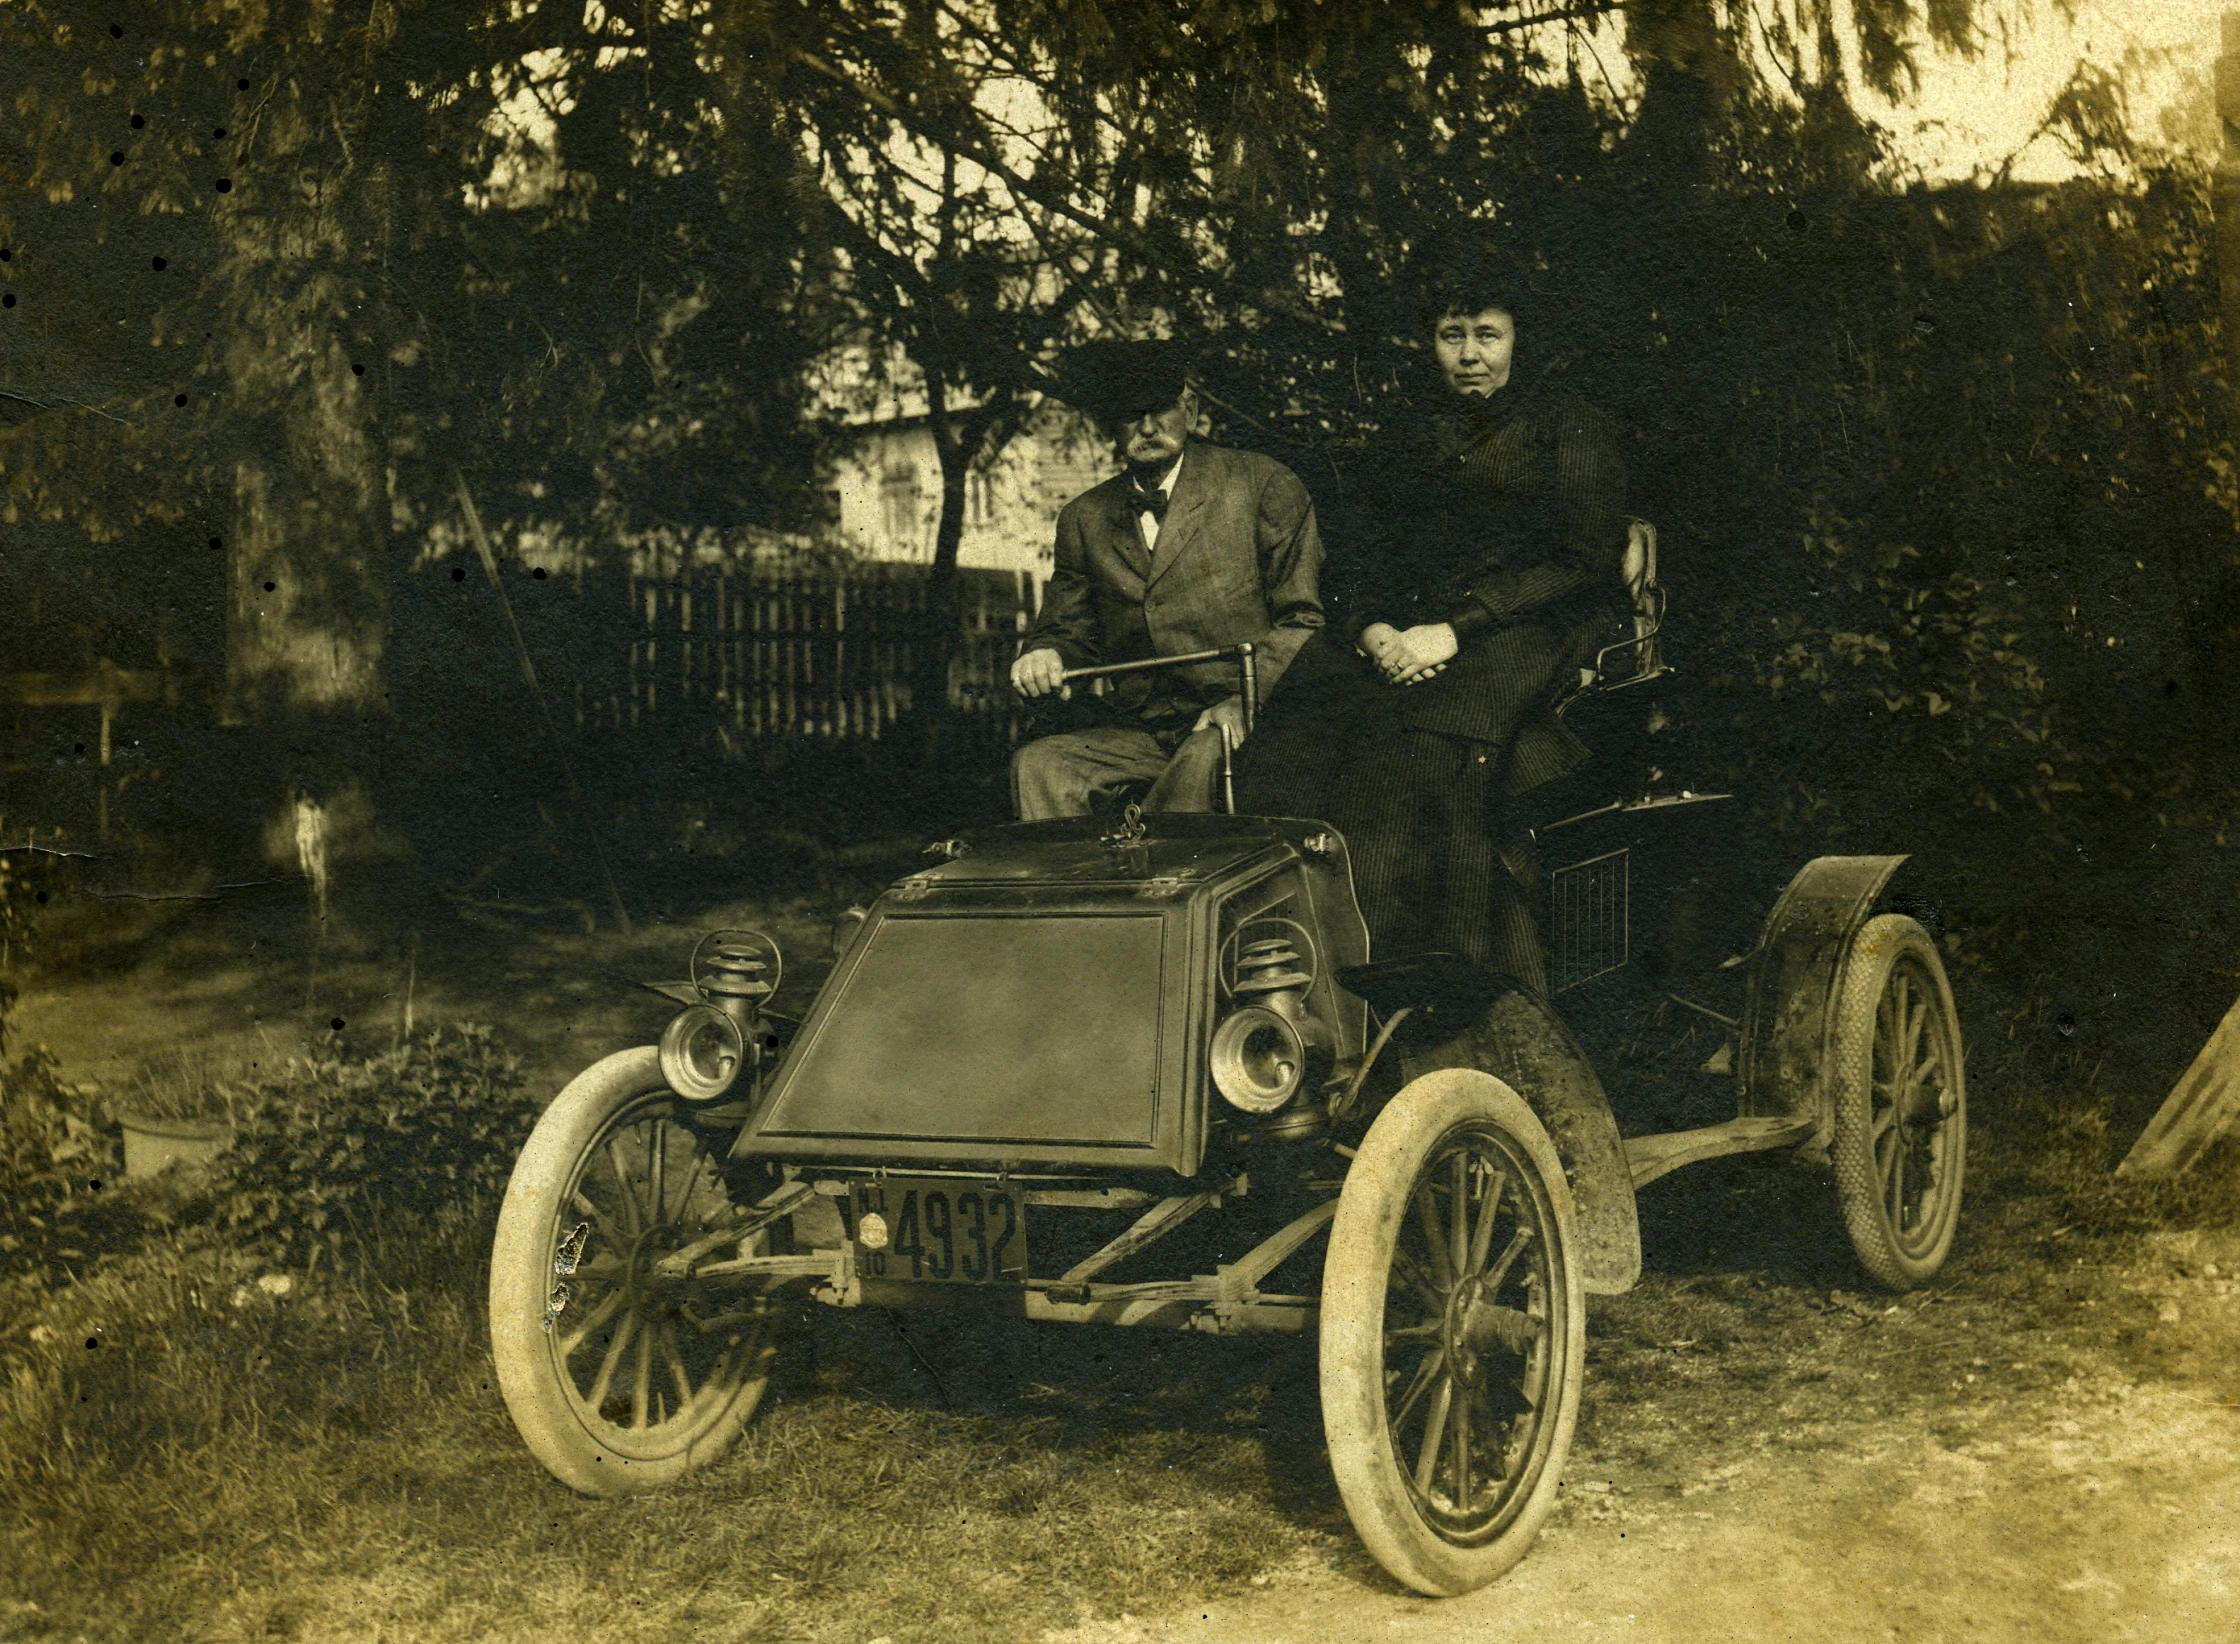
<point x="1144" y="1070"/>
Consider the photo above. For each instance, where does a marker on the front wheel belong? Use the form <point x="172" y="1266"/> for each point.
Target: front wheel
<point x="1901" y="1103"/>
<point x="618" y="1377"/>
<point x="1453" y="1332"/>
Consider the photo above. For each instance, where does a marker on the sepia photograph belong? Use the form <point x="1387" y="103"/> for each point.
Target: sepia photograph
<point x="1115" y="821"/>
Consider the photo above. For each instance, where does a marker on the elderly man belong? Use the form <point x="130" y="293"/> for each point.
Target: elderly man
<point x="1191" y="547"/>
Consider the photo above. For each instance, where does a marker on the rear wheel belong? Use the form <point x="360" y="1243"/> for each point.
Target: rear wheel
<point x="1901" y="1103"/>
<point x="618" y="1377"/>
<point x="1453" y="1332"/>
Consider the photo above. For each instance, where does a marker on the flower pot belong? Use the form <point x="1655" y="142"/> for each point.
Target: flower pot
<point x="152" y="1144"/>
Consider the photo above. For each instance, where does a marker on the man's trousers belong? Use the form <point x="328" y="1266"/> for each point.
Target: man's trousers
<point x="1061" y="775"/>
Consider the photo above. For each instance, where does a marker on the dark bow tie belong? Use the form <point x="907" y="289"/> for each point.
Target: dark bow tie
<point x="1152" y="502"/>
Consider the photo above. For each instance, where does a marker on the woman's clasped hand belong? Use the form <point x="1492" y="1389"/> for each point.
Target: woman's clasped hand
<point x="1410" y="656"/>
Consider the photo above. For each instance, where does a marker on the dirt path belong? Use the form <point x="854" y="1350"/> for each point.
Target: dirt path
<point x="2047" y="1449"/>
<point x="2119" y="1521"/>
<point x="2044" y="1447"/>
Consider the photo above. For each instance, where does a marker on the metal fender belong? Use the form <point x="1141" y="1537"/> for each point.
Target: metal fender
<point x="1783" y="1056"/>
<point x="1522" y="1042"/>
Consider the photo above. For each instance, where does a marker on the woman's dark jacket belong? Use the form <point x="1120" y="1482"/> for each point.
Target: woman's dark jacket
<point x="1504" y="517"/>
<point x="1489" y="514"/>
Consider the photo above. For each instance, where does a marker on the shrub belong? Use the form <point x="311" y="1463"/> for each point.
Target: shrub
<point x="377" y="1170"/>
<point x="19" y="901"/>
<point x="44" y="1124"/>
<point x="56" y="1167"/>
<point x="326" y="1140"/>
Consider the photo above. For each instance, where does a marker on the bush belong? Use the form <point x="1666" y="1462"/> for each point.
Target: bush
<point x="326" y="1146"/>
<point x="56" y="1169"/>
<point x="19" y="903"/>
<point x="325" y="1141"/>
<point x="379" y="1172"/>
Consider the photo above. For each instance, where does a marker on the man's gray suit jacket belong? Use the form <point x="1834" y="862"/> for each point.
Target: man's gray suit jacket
<point x="1238" y="558"/>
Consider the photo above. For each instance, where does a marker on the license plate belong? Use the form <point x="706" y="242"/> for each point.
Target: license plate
<point x="946" y="1229"/>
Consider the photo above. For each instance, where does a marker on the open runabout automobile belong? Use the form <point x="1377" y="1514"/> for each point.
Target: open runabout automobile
<point x="1143" y="1070"/>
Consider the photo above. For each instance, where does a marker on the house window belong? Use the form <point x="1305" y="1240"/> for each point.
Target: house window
<point x="898" y="503"/>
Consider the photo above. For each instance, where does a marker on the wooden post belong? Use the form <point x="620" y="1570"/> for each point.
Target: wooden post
<point x="2202" y="1106"/>
<point x="2206" y="1099"/>
<point x="2224" y="200"/>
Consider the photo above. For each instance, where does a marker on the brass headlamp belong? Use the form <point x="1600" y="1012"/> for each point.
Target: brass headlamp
<point x="1260" y="1051"/>
<point x="707" y="1046"/>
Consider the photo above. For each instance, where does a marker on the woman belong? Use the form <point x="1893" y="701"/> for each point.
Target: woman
<point x="1471" y="571"/>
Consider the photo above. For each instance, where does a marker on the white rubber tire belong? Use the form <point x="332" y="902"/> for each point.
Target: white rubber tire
<point x="1454" y="1112"/>
<point x="1899" y="1088"/>
<point x="544" y="1201"/>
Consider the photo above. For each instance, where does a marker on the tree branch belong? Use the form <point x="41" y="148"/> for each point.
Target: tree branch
<point x="52" y="405"/>
<point x="1565" y="14"/>
<point x="1119" y="233"/>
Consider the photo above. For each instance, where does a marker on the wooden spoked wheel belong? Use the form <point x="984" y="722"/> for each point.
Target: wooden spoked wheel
<point x="1901" y="1103"/>
<point x="1453" y="1332"/>
<point x="618" y="1376"/>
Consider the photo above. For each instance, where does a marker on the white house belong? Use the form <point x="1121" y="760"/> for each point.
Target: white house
<point x="885" y="479"/>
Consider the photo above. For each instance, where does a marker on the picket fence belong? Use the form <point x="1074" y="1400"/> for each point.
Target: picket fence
<point x="792" y="653"/>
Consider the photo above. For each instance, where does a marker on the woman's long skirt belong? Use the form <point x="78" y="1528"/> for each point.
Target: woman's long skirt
<point x="1419" y="811"/>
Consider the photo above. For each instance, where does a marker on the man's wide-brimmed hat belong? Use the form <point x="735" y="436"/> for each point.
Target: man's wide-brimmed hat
<point x="1117" y="379"/>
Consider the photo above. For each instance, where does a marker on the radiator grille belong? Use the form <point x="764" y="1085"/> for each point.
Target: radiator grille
<point x="1587" y="920"/>
<point x="986" y="1028"/>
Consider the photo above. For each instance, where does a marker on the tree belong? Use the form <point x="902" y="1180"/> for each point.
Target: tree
<point x="392" y="243"/>
<point x="950" y="258"/>
<point x="588" y="255"/>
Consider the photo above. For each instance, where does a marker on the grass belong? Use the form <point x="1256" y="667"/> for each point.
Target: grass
<point x="335" y="1462"/>
<point x="185" y="1082"/>
<point x="1754" y="1329"/>
<point x="247" y="1454"/>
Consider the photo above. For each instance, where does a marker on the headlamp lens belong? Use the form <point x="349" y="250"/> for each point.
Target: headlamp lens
<point x="702" y="1051"/>
<point x="1257" y="1059"/>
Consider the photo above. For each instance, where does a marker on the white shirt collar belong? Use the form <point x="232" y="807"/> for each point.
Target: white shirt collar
<point x="1174" y="472"/>
<point x="1147" y="523"/>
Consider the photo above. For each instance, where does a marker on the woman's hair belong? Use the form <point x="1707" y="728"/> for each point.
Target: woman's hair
<point x="1471" y="286"/>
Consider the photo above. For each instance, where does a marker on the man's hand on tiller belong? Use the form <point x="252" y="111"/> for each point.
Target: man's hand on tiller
<point x="1230" y="715"/>
<point x="1038" y="673"/>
